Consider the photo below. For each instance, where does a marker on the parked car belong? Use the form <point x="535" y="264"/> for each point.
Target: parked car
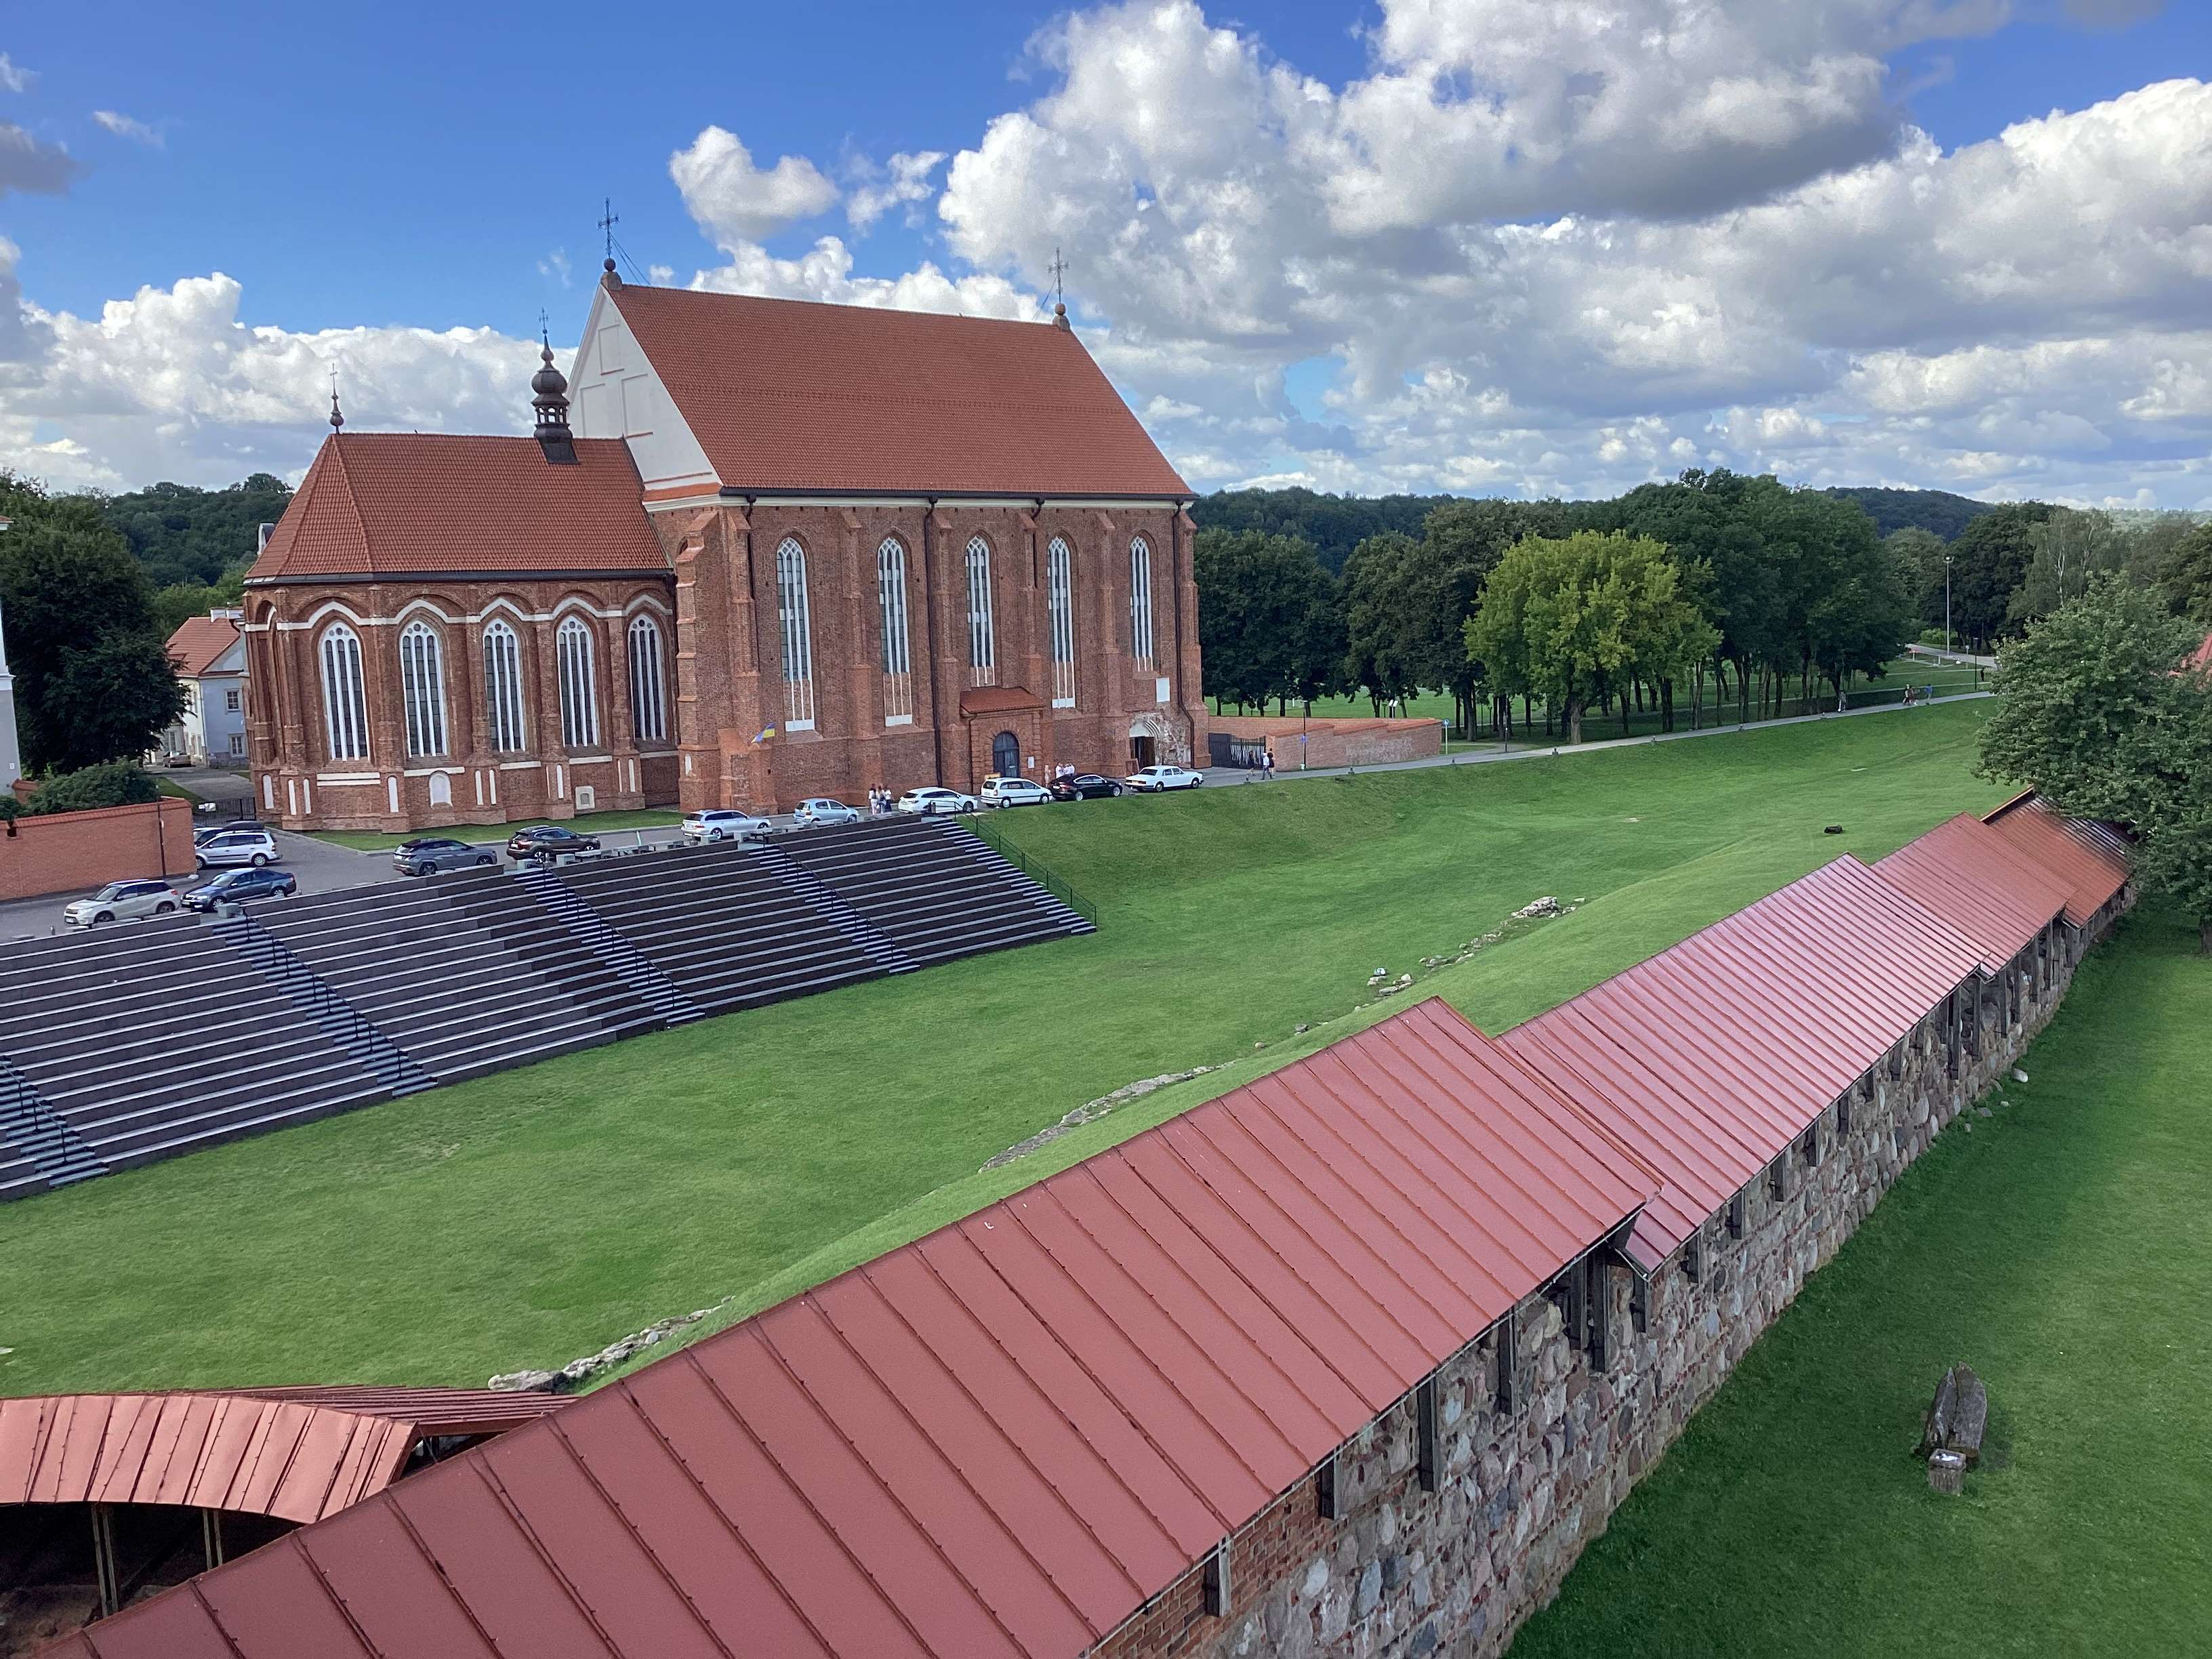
<point x="1085" y="786"/>
<point x="548" y="840"/>
<point x="427" y="855"/>
<point x="722" y="823"/>
<point x="207" y="832"/>
<point x="819" y="813"/>
<point x="1152" y="780"/>
<point x="254" y="847"/>
<point x="1014" y="792"/>
<point x="927" y="803"/>
<point x="238" y="886"/>
<point x="122" y="901"/>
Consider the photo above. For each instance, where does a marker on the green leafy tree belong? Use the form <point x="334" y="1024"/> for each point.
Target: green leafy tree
<point x="191" y="536"/>
<point x="1989" y="562"/>
<point x="2065" y="552"/>
<point x="1918" y="556"/>
<point x="115" y="783"/>
<point x="179" y="602"/>
<point x="1268" y="625"/>
<point x="2097" y="712"/>
<point x="2185" y="574"/>
<point x="1575" y="619"/>
<point x="94" y="682"/>
<point x="1382" y="653"/>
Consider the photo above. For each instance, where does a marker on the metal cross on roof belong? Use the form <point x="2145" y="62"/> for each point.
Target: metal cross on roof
<point x="1059" y="269"/>
<point x="608" y="219"/>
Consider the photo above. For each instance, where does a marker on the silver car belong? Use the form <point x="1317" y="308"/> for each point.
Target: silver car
<point x="122" y="901"/>
<point x="723" y="823"/>
<point x="821" y="811"/>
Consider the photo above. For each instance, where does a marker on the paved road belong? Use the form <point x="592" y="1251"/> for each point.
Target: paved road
<point x="322" y="867"/>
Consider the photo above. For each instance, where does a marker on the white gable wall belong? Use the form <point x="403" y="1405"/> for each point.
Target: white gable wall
<point x="613" y="393"/>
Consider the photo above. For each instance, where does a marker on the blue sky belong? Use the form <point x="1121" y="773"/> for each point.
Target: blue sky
<point x="415" y="167"/>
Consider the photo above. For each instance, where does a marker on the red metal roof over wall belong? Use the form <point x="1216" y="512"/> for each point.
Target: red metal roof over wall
<point x="1977" y="880"/>
<point x="2088" y="857"/>
<point x="1001" y="1439"/>
<point x="297" y="1454"/>
<point x="791" y="394"/>
<point x="1713" y="1057"/>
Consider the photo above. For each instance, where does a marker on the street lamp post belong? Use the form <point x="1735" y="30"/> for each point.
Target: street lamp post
<point x="1946" y="602"/>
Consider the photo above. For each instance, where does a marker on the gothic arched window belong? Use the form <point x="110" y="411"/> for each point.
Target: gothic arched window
<point x="982" y="644"/>
<point x="579" y="700"/>
<point x="422" y="689"/>
<point x="891" y="598"/>
<point x="648" y="697"/>
<point x="791" y="610"/>
<point x="345" y="697"/>
<point x="1141" y="601"/>
<point x="502" y="666"/>
<point x="1060" y="593"/>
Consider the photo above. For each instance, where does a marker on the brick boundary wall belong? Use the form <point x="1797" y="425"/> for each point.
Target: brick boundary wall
<point x="66" y="852"/>
<point x="1603" y="1377"/>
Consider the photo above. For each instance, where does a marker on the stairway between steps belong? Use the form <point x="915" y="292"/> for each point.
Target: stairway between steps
<point x="628" y="964"/>
<point x="40" y="1133"/>
<point x="315" y="996"/>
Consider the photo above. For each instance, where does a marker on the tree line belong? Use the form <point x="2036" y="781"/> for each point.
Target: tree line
<point x="1716" y="587"/>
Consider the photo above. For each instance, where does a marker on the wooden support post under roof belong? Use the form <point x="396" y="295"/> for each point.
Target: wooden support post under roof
<point x="1428" y="1435"/>
<point x="1328" y="1487"/>
<point x="1503" y="1398"/>
<point x="103" y="1559"/>
<point x="1217" y="1581"/>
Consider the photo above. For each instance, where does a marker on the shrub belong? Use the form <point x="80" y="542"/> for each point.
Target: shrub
<point x="115" y="783"/>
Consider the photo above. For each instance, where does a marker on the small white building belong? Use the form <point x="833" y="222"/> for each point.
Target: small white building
<point x="209" y="653"/>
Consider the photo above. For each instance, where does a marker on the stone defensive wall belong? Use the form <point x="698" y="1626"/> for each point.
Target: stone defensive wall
<point x="1452" y="1517"/>
<point x="1347" y="1363"/>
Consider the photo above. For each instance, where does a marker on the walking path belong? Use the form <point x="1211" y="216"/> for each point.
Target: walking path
<point x="1225" y="775"/>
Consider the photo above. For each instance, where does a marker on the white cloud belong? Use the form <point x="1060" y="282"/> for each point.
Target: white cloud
<point x="904" y="181"/>
<point x="31" y="166"/>
<point x="733" y="201"/>
<point x="555" y="266"/>
<point x="1537" y="246"/>
<point x="14" y="79"/>
<point x="123" y="126"/>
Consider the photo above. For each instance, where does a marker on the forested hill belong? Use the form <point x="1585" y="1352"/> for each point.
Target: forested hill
<point x="1936" y="510"/>
<point x="1331" y="525"/>
<point x="186" y="536"/>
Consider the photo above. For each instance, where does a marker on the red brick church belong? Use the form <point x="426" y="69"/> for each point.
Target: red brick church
<point x="779" y="550"/>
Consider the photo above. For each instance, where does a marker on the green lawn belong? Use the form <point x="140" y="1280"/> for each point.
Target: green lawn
<point x="2062" y="1248"/>
<point x="585" y="824"/>
<point x="525" y="1218"/>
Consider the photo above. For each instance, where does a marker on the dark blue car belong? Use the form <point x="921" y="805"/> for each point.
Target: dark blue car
<point x="238" y="886"/>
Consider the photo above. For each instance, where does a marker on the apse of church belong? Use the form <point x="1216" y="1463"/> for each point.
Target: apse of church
<point x="786" y="549"/>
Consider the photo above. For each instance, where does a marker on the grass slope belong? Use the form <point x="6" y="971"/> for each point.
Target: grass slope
<point x="2062" y="1248"/>
<point x="525" y="1218"/>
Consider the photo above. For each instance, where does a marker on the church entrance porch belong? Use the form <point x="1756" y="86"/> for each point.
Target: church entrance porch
<point x="1140" y="751"/>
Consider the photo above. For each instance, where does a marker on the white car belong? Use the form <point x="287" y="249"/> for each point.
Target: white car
<point x="929" y="802"/>
<point x="822" y="812"/>
<point x="122" y="901"/>
<point x="1150" y="780"/>
<point x="254" y="848"/>
<point x="1015" y="792"/>
<point x="722" y="823"/>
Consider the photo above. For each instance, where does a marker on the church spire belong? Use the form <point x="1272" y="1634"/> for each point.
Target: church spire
<point x="338" y="419"/>
<point x="550" y="390"/>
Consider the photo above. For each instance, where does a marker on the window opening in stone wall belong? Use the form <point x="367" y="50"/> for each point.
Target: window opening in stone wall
<point x="648" y="698"/>
<point x="502" y="656"/>
<point x="1059" y="587"/>
<point x="422" y="689"/>
<point x="798" y="626"/>
<point x="982" y="644"/>
<point x="1428" y="1435"/>
<point x="1736" y="1217"/>
<point x="579" y="703"/>
<point x="345" y="700"/>
<point x="1140" y="602"/>
<point x="891" y="599"/>
<point x="1502" y="1396"/>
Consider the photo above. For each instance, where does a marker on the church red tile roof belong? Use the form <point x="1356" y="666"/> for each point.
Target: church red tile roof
<point x="788" y="394"/>
<point x="416" y="503"/>
<point x="198" y="641"/>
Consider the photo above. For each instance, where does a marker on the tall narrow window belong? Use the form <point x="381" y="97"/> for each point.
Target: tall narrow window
<point x="898" y="664"/>
<point x="579" y="700"/>
<point x="345" y="698"/>
<point x="502" y="663"/>
<point x="422" y="689"/>
<point x="648" y="698"/>
<point x="1060" y="589"/>
<point x="1140" y="602"/>
<point x="982" y="645"/>
<point x="798" y="637"/>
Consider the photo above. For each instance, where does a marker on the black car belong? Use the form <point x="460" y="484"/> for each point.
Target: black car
<point x="1085" y="786"/>
<point x="427" y="855"/>
<point x="238" y="886"/>
<point x="548" y="840"/>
